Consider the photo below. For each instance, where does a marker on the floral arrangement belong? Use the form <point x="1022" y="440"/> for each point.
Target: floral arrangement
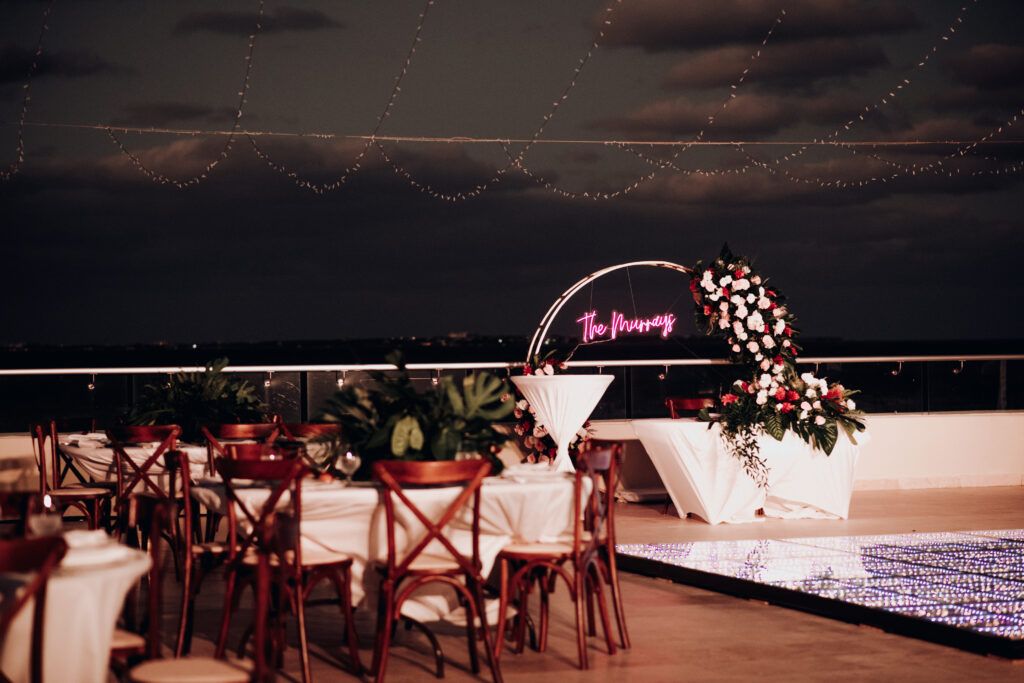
<point x="533" y="436"/>
<point x="734" y="302"/>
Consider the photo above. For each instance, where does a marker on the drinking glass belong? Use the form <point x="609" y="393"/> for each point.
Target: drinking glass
<point x="347" y="464"/>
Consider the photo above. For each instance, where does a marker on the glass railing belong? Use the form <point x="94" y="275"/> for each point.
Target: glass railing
<point x="888" y="384"/>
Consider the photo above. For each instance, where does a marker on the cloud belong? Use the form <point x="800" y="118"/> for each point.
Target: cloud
<point x="244" y="23"/>
<point x="990" y="66"/>
<point x="657" y="25"/>
<point x="163" y="113"/>
<point x="16" y="62"/>
<point x="789" y="64"/>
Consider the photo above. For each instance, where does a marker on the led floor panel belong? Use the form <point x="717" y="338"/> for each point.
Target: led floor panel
<point x="964" y="589"/>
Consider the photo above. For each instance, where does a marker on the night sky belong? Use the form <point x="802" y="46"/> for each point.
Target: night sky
<point x="95" y="251"/>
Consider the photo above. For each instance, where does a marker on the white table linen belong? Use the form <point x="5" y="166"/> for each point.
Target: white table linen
<point x="563" y="403"/>
<point x="704" y="478"/>
<point x="84" y="598"/>
<point x="94" y="457"/>
<point x="350" y="521"/>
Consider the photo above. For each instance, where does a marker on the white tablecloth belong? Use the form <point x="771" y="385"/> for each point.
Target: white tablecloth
<point x="563" y="403"/>
<point x="350" y="520"/>
<point x="83" y="602"/>
<point x="95" y="459"/>
<point x="702" y="477"/>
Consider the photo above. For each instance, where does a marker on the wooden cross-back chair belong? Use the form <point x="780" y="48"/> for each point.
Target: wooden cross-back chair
<point x="579" y="562"/>
<point x="219" y="436"/>
<point x="684" y="407"/>
<point x="39" y="557"/>
<point x="157" y="517"/>
<point x="92" y="502"/>
<point x="273" y="548"/>
<point x="434" y="558"/>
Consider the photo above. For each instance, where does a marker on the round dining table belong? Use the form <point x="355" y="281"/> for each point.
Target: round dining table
<point x="85" y="596"/>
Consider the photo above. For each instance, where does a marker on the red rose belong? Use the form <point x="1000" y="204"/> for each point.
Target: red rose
<point x="779" y="360"/>
<point x="788" y="331"/>
<point x="764" y="329"/>
<point x="725" y="292"/>
<point x="792" y="350"/>
<point x="834" y="394"/>
<point x="707" y="310"/>
<point x="780" y="394"/>
<point x="785" y="407"/>
<point x="693" y="285"/>
<point x="769" y="292"/>
<point x="744" y="385"/>
<point x="772" y="306"/>
<point x="738" y="274"/>
<point x="729" y="398"/>
<point x="792" y="395"/>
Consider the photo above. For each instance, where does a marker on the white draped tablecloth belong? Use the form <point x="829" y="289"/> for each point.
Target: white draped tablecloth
<point x="703" y="478"/>
<point x="563" y="403"/>
<point x="94" y="457"/>
<point x="521" y="507"/>
<point x="84" y="599"/>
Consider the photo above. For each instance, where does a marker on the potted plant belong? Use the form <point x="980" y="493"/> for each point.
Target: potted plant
<point x="193" y="399"/>
<point x="392" y="420"/>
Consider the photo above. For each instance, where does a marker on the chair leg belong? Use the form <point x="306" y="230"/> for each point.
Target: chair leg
<point x="385" y="621"/>
<point x="499" y="636"/>
<point x="578" y="590"/>
<point x="300" y="616"/>
<point x="472" y="614"/>
<point x="350" y="626"/>
<point x="596" y="586"/>
<point x="230" y="581"/>
<point x="620" y="615"/>
<point x="492" y="660"/>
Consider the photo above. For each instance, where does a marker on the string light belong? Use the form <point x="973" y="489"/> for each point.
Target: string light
<point x="19" y="150"/>
<point x="242" y="99"/>
<point x="321" y="188"/>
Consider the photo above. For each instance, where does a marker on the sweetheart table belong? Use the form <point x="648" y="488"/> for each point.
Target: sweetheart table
<point x="702" y="477"/>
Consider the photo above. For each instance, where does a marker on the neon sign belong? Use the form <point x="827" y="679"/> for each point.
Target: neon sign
<point x="618" y="324"/>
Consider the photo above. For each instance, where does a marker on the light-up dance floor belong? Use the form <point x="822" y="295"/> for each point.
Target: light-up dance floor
<point x="964" y="589"/>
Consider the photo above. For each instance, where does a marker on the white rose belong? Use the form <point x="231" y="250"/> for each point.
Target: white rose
<point x="724" y="282"/>
<point x="743" y="336"/>
<point x="819" y="420"/>
<point x="737" y="327"/>
<point x="752" y="347"/>
<point x="763" y="303"/>
<point x="755" y="321"/>
<point x="741" y="284"/>
<point x="803" y="414"/>
<point x="780" y="326"/>
<point x="811" y="393"/>
<point x="766" y="364"/>
<point x="751" y="298"/>
<point x="714" y="297"/>
<point x="785" y="342"/>
<point x="724" y="306"/>
<point x="850" y="404"/>
<point x="779" y="312"/>
<point x="548" y="369"/>
<point x="816" y="405"/>
<point x="765" y="380"/>
<point x="805" y="406"/>
<point x="767" y="342"/>
<point x="736" y="299"/>
<point x="735" y="348"/>
<point x="741" y="311"/>
<point x="756" y="279"/>
<point x="723" y="323"/>
<point x="762" y="397"/>
<point x="522" y="404"/>
<point x="759" y="356"/>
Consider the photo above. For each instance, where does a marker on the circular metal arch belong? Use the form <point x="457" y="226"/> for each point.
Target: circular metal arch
<point x="545" y="324"/>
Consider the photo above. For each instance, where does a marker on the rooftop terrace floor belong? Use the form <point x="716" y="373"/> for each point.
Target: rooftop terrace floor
<point x="685" y="633"/>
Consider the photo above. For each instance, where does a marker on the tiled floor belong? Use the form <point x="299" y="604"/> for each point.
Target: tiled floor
<point x="685" y="633"/>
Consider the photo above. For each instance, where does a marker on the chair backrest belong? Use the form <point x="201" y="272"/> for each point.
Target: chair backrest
<point x="679" y="407"/>
<point x="285" y="476"/>
<point x="310" y="430"/>
<point x="44" y="444"/>
<point x="167" y="438"/>
<point x="395" y="475"/>
<point x="39" y="556"/>
<point x="595" y="511"/>
<point x="218" y="436"/>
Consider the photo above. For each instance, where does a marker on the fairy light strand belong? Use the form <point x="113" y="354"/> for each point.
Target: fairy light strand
<point x="19" y="151"/>
<point x="226" y="149"/>
<point x="322" y="188"/>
